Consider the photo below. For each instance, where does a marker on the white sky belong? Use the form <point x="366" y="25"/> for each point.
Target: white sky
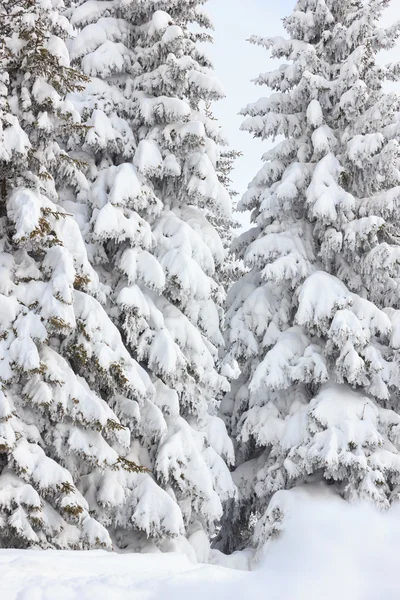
<point x="236" y="62"/>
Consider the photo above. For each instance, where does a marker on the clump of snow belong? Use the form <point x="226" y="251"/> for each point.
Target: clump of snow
<point x="329" y="548"/>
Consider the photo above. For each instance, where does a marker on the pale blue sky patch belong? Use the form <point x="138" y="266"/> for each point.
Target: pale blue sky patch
<point x="237" y="62"/>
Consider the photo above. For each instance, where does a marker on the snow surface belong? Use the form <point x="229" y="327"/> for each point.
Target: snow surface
<point x="329" y="549"/>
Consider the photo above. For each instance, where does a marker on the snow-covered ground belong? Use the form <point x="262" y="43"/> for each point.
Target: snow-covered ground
<point x="329" y="551"/>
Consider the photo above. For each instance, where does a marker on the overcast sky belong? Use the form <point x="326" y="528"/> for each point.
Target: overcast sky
<point x="237" y="62"/>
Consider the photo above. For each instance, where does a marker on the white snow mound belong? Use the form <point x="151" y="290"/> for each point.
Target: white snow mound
<point x="329" y="549"/>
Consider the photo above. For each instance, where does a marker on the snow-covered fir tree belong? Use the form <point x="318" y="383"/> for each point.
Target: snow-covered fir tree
<point x="314" y="323"/>
<point x="61" y="356"/>
<point x="156" y="219"/>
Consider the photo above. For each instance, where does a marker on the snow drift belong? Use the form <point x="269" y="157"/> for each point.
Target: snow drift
<point x="329" y="549"/>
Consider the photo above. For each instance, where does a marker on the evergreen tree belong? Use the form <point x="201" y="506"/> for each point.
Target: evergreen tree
<point x="314" y="322"/>
<point x="60" y="355"/>
<point x="157" y="214"/>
